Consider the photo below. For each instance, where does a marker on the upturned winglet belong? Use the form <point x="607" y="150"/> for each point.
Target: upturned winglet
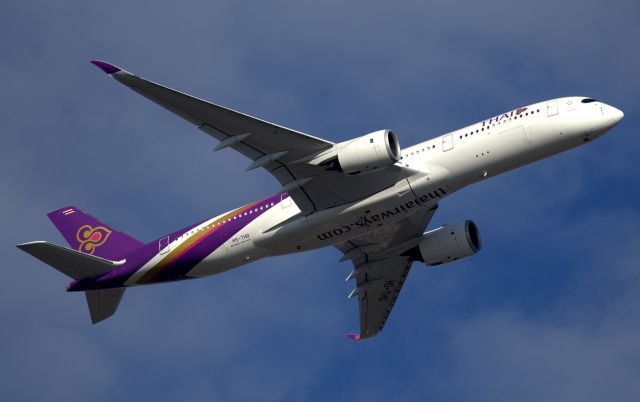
<point x="106" y="67"/>
<point x="353" y="337"/>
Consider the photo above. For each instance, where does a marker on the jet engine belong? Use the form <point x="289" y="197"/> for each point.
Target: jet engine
<point x="448" y="243"/>
<point x="369" y="152"/>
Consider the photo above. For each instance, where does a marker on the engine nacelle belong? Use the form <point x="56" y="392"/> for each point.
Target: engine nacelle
<point x="449" y="243"/>
<point x="369" y="152"/>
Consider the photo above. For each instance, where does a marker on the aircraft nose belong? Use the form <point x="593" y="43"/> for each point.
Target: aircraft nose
<point x="605" y="117"/>
<point x="616" y="115"/>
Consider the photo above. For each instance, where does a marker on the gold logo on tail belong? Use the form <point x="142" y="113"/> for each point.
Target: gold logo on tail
<point x="90" y="238"/>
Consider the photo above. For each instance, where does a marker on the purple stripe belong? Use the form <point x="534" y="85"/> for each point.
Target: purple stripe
<point x="193" y="257"/>
<point x="179" y="268"/>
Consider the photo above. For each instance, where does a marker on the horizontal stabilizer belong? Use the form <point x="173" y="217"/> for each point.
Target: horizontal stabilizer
<point x="72" y="263"/>
<point x="103" y="303"/>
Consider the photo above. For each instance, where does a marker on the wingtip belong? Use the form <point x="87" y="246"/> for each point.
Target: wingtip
<point x="106" y="67"/>
<point x="353" y="337"/>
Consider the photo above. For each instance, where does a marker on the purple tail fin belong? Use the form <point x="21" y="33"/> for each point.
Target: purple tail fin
<point x="88" y="235"/>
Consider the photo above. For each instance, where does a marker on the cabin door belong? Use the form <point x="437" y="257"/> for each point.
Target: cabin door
<point x="163" y="245"/>
<point x="447" y="143"/>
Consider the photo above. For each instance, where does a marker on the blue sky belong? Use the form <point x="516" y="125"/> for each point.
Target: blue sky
<point x="548" y="310"/>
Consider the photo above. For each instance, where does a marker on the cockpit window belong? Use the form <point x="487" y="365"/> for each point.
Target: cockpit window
<point x="588" y="100"/>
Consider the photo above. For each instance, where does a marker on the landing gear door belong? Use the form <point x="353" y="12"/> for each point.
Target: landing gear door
<point x="552" y="108"/>
<point x="447" y="143"/>
<point x="164" y="246"/>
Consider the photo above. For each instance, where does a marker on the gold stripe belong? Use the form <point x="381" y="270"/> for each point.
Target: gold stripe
<point x="169" y="258"/>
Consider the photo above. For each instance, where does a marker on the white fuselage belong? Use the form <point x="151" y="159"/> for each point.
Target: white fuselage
<point x="441" y="166"/>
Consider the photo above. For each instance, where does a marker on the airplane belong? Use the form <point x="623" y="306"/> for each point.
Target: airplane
<point x="365" y="196"/>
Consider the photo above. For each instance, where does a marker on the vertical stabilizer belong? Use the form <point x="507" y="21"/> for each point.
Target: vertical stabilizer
<point x="86" y="234"/>
<point x="103" y="303"/>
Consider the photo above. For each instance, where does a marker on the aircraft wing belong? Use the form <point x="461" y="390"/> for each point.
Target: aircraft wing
<point x="380" y="269"/>
<point x="281" y="151"/>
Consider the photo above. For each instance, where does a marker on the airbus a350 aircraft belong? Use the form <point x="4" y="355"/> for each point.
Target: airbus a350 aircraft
<point x="366" y="196"/>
